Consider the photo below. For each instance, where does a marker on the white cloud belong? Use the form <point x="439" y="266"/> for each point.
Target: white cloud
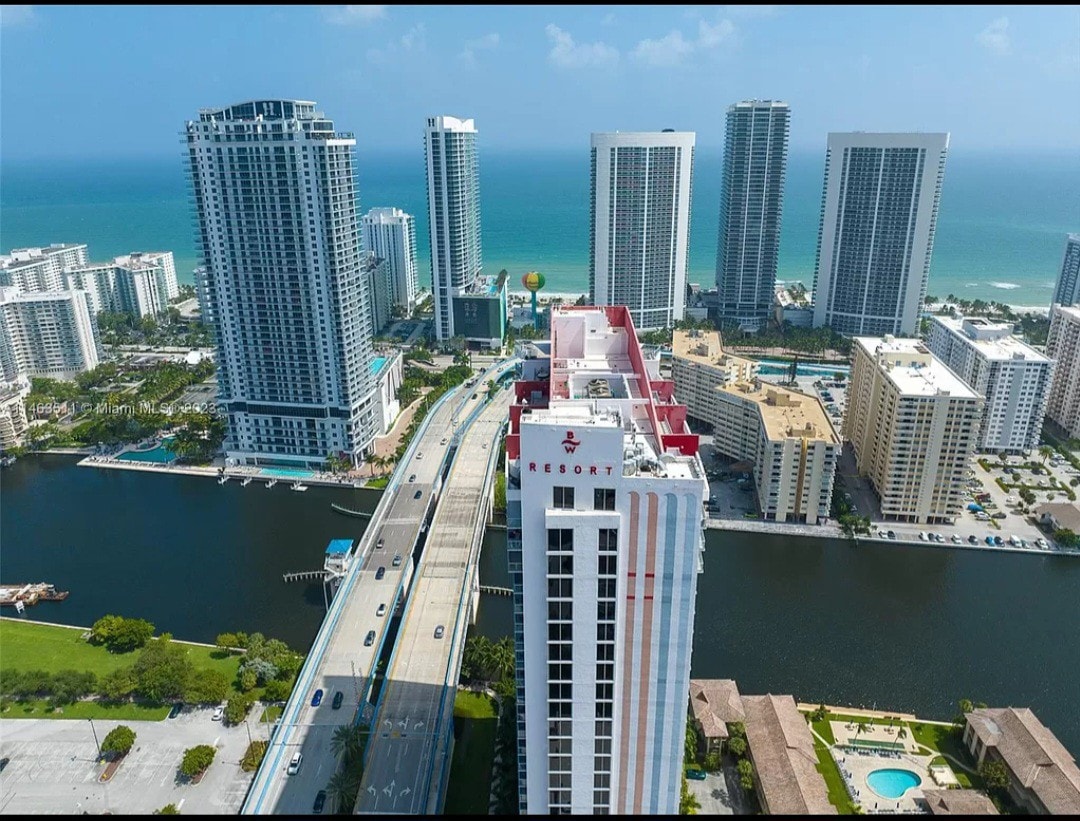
<point x="672" y="49"/>
<point x="667" y="51"/>
<point x="995" y="37"/>
<point x="413" y="41"/>
<point x="354" y="15"/>
<point x="487" y="42"/>
<point x="16" y="15"/>
<point x="565" y="53"/>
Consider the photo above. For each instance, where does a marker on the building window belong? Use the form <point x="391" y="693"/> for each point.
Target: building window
<point x="560" y="540"/>
<point x="564" y="498"/>
<point x="609" y="539"/>
<point x="604" y="498"/>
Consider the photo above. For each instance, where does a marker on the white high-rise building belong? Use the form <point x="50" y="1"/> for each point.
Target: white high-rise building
<point x="639" y="223"/>
<point x="40" y="269"/>
<point x="1063" y="345"/>
<point x="275" y="196"/>
<point x="751" y="205"/>
<point x="1068" y="284"/>
<point x="453" y="187"/>
<point x="140" y="283"/>
<point x="390" y="234"/>
<point x="604" y="538"/>
<point x="913" y="424"/>
<point x="1013" y="377"/>
<point x="46" y="333"/>
<point x="878" y="215"/>
<point x="13" y="421"/>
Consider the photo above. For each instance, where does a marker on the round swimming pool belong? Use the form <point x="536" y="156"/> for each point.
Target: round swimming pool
<point x="892" y="783"/>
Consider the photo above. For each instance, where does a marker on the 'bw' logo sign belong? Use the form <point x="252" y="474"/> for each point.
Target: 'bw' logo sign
<point x="570" y="443"/>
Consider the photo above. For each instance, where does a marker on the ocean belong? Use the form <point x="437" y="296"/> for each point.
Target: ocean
<point x="1000" y="234"/>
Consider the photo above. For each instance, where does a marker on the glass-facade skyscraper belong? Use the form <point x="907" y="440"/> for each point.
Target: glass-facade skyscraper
<point x="275" y="200"/>
<point x="751" y="206"/>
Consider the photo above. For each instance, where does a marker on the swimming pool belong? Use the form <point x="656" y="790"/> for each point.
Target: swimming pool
<point x="157" y="454"/>
<point x="771" y="367"/>
<point x="892" y="783"/>
<point x="287" y="473"/>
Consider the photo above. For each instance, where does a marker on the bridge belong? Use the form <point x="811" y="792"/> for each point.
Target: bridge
<point x="413" y="517"/>
<point x="408" y="753"/>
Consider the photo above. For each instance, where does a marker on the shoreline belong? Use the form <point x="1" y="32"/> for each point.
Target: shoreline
<point x="211" y="472"/>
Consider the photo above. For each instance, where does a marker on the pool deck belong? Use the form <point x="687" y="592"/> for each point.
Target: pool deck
<point x="234" y="474"/>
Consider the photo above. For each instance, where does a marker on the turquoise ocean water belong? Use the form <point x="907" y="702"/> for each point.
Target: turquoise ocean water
<point x="1001" y="230"/>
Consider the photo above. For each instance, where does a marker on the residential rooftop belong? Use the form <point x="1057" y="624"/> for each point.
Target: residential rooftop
<point x="716" y="703"/>
<point x="706" y="348"/>
<point x="958" y="802"/>
<point x="911" y="367"/>
<point x="994" y="340"/>
<point x="787" y="414"/>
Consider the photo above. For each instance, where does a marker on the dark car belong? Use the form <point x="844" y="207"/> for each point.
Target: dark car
<point x="439" y="632"/>
<point x="973" y="539"/>
<point x="369" y="639"/>
<point x="320" y="802"/>
<point x="338" y="698"/>
<point x="316" y="699"/>
<point x="412" y="478"/>
<point x="3" y="763"/>
<point x="418" y="494"/>
<point x="998" y="541"/>
<point x="380" y="573"/>
<point x="695" y="775"/>
<point x="176" y="710"/>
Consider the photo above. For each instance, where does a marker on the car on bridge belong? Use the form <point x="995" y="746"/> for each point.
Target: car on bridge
<point x="418" y="494"/>
<point x="379" y="544"/>
<point x="338" y="698"/>
<point x="412" y="478"/>
<point x="381" y="611"/>
<point x="369" y="639"/>
<point x="380" y="573"/>
<point x="320" y="802"/>
<point x="316" y="699"/>
<point x="397" y="560"/>
<point x="297" y="760"/>
<point x="439" y="631"/>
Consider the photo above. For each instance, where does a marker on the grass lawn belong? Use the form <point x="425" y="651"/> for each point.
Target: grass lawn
<point x="474" y="751"/>
<point x="942" y="739"/>
<point x="271" y="714"/>
<point x="35" y="708"/>
<point x="838" y="796"/>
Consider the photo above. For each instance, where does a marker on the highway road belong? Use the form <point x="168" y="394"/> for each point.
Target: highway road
<point x="407" y="758"/>
<point x="339" y="659"/>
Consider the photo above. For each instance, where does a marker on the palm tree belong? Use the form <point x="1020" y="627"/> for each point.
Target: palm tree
<point x="346" y="739"/>
<point x="1045" y="451"/>
<point x="344" y="785"/>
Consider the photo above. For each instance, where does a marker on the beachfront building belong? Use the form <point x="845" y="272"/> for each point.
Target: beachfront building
<point x="604" y="540"/>
<point x="139" y="283"/>
<point x="699" y="365"/>
<point x="1043" y="777"/>
<point x="1013" y="378"/>
<point x="453" y="189"/>
<point x="374" y="269"/>
<point x="40" y="269"/>
<point x="387" y="371"/>
<point x="787" y="437"/>
<point x="751" y="205"/>
<point x="913" y="424"/>
<point x="275" y="202"/>
<point x="1063" y="346"/>
<point x="390" y="234"/>
<point x="46" y="333"/>
<point x="791" y="305"/>
<point x="1068" y="284"/>
<point x="878" y="215"/>
<point x="639" y="223"/>
<point x="13" y="421"/>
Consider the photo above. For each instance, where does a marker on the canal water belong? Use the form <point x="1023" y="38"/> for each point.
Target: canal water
<point x="896" y="627"/>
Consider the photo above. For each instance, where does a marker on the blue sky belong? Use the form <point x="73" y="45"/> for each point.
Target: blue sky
<point x="114" y="81"/>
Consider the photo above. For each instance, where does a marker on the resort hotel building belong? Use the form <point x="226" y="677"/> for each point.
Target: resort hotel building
<point x="913" y="424"/>
<point x="751" y="205"/>
<point x="1063" y="345"/>
<point x="284" y="290"/>
<point x="1068" y="284"/>
<point x="878" y="215"/>
<point x="46" y="333"/>
<point x="604" y="538"/>
<point x="1013" y="377"/>
<point x="639" y="223"/>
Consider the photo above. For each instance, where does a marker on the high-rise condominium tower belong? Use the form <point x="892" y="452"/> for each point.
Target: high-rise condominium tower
<point x="604" y="541"/>
<point x="1063" y="345"/>
<point x="878" y="214"/>
<point x="275" y="198"/>
<point x="46" y="333"/>
<point x="390" y="234"/>
<point x="453" y="186"/>
<point x="751" y="204"/>
<point x="1068" y="284"/>
<point x="640" y="223"/>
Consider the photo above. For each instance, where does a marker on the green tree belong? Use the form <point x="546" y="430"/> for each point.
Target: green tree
<point x="712" y="762"/>
<point x="206" y="687"/>
<point x="344" y="785"/>
<point x="746" y="774"/>
<point x="690" y="746"/>
<point x="994" y="775"/>
<point x="237" y="707"/>
<point x="121" y="635"/>
<point x="119" y="741"/>
<point x="71" y="685"/>
<point x="277" y="690"/>
<point x="1066" y="538"/>
<point x="737" y="746"/>
<point x="736" y="729"/>
<point x="688" y="803"/>
<point x="168" y="809"/>
<point x="264" y="669"/>
<point x="226" y="642"/>
<point x="118" y="684"/>
<point x="162" y="669"/>
<point x="500" y="491"/>
<point x="248" y="680"/>
<point x="1045" y="451"/>
<point x="347" y="739"/>
<point x="820" y="713"/>
<point x="197" y="759"/>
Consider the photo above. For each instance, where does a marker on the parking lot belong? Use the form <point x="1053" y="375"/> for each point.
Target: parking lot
<point x="53" y="766"/>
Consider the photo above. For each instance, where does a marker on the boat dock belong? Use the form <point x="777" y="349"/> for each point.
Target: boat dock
<point x="26" y="594"/>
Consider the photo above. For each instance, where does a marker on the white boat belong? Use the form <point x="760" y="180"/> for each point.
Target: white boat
<point x="271" y="483"/>
<point x="299" y="486"/>
<point x="247" y="481"/>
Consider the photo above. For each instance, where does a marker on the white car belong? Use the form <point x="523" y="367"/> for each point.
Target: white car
<point x="1041" y="542"/>
<point x="219" y="713"/>
<point x="922" y="536"/>
<point x="956" y="539"/>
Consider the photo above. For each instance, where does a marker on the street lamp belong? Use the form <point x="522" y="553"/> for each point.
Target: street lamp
<point x="94" y="731"/>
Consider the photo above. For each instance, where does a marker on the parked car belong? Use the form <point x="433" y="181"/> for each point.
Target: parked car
<point x="922" y="536"/>
<point x="439" y="632"/>
<point x="891" y="534"/>
<point x="316" y="699"/>
<point x="176" y="710"/>
<point x="297" y="760"/>
<point x="320" y="802"/>
<point x="369" y="639"/>
<point x="219" y="713"/>
<point x="973" y="539"/>
<point x="696" y="775"/>
<point x="1001" y="514"/>
<point x="990" y="540"/>
<point x="956" y="539"/>
<point x="1041" y="542"/>
<point x="998" y="541"/>
<point x="338" y="698"/>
